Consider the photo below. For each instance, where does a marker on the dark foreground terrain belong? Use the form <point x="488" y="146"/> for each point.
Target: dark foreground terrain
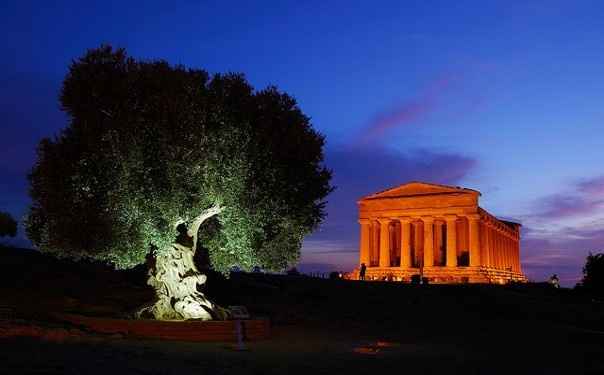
<point x="319" y="326"/>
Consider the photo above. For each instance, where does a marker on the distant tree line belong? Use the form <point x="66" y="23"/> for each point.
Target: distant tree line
<point x="593" y="274"/>
<point x="8" y="225"/>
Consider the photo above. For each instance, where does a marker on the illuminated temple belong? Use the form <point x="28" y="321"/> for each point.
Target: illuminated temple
<point x="438" y="232"/>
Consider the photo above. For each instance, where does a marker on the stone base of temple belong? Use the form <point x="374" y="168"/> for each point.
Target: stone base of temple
<point x="442" y="275"/>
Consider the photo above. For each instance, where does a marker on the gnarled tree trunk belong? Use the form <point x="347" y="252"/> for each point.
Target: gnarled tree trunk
<point x="175" y="279"/>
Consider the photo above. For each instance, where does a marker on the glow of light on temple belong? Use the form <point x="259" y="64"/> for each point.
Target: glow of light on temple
<point x="437" y="232"/>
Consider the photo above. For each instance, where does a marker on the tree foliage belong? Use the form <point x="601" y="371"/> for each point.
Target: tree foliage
<point x="8" y="225"/>
<point x="150" y="145"/>
<point x="593" y="273"/>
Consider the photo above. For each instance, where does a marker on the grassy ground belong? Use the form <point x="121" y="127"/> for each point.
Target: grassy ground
<point x="319" y="326"/>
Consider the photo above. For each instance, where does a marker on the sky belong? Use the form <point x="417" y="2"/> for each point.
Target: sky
<point x="500" y="96"/>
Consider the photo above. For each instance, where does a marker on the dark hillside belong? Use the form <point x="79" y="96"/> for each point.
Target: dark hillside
<point x="36" y="284"/>
<point x="49" y="284"/>
<point x="319" y="326"/>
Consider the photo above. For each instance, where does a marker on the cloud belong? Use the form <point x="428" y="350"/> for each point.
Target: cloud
<point x="562" y="205"/>
<point x="561" y="251"/>
<point x="407" y="112"/>
<point x="328" y="247"/>
<point x="584" y="198"/>
<point x="564" y="229"/>
<point x="593" y="187"/>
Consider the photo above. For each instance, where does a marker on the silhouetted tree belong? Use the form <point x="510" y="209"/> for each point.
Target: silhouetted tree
<point x="593" y="274"/>
<point x="158" y="158"/>
<point x="8" y="225"/>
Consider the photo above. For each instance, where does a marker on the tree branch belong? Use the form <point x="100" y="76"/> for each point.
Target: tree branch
<point x="193" y="228"/>
<point x="106" y="113"/>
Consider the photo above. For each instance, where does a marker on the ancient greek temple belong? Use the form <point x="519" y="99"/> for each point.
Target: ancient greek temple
<point x="438" y="232"/>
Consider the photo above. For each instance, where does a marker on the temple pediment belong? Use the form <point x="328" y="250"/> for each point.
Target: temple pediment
<point x="419" y="188"/>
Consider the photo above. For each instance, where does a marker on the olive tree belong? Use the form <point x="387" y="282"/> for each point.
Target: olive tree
<point x="159" y="160"/>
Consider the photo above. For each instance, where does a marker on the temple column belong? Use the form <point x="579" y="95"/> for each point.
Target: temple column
<point x="396" y="241"/>
<point x="506" y="244"/>
<point x="499" y="250"/>
<point x="494" y="237"/>
<point x="391" y="242"/>
<point x="518" y="255"/>
<point x="451" y="240"/>
<point x="438" y="243"/>
<point x="474" y="237"/>
<point x="405" y="242"/>
<point x="364" y="256"/>
<point x="495" y="247"/>
<point x="418" y="243"/>
<point x="510" y="254"/>
<point x="384" y="242"/>
<point x="486" y="246"/>
<point x="375" y="242"/>
<point x="516" y="268"/>
<point x="428" y="241"/>
<point x="491" y="245"/>
<point x="503" y="252"/>
<point x="512" y="260"/>
<point x="513" y="253"/>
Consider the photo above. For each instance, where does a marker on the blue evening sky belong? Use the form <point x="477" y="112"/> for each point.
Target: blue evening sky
<point x="501" y="96"/>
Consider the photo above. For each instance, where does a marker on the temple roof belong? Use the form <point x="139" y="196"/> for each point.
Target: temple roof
<point x="510" y="223"/>
<point x="415" y="188"/>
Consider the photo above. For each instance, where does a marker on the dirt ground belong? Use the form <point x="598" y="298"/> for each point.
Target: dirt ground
<point x="319" y="326"/>
<point x="304" y="350"/>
